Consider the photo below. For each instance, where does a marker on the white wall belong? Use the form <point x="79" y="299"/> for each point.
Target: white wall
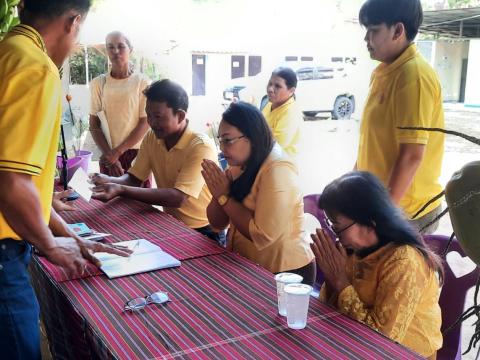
<point x="472" y="91"/>
<point x="448" y="64"/>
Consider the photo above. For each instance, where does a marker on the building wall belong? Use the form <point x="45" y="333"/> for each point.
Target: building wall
<point x="472" y="91"/>
<point x="447" y="62"/>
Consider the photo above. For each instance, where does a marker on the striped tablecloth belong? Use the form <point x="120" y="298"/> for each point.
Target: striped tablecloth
<point x="127" y="220"/>
<point x="222" y="306"/>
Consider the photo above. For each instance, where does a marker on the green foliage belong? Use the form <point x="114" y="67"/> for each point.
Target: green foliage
<point x="455" y="4"/>
<point x="145" y="66"/>
<point x="97" y="65"/>
<point x="451" y="4"/>
<point x="77" y="68"/>
<point x="8" y="16"/>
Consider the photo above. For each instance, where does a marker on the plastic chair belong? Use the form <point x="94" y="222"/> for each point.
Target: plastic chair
<point x="452" y="297"/>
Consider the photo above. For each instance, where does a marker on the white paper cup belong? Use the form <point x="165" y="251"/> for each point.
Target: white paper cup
<point x="297" y="298"/>
<point x="283" y="279"/>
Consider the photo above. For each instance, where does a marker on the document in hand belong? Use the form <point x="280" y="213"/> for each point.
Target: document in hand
<point x="80" y="183"/>
<point x="145" y="257"/>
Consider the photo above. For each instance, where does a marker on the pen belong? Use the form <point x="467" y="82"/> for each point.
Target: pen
<point x="136" y="245"/>
<point x="133" y="249"/>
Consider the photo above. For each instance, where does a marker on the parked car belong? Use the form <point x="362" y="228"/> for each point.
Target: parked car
<point x="320" y="89"/>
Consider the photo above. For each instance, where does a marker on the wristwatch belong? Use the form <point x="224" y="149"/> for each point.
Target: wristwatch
<point x="222" y="199"/>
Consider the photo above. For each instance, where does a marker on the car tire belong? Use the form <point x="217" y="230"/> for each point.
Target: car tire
<point x="343" y="107"/>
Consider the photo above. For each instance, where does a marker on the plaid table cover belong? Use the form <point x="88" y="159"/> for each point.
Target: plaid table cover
<point x="222" y="306"/>
<point x="128" y="219"/>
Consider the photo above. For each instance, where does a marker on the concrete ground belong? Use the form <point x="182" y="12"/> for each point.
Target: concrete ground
<point x="329" y="147"/>
<point x="329" y="150"/>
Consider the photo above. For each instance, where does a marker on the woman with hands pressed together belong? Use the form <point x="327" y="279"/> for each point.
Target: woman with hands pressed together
<point x="380" y="272"/>
<point x="118" y="95"/>
<point x="258" y="196"/>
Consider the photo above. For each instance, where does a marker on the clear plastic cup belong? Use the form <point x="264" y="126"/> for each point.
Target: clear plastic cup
<point x="283" y="279"/>
<point x="297" y="298"/>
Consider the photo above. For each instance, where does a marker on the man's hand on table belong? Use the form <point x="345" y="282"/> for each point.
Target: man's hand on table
<point x="60" y="203"/>
<point x="88" y="248"/>
<point x="65" y="252"/>
<point x="73" y="254"/>
<point x="106" y="192"/>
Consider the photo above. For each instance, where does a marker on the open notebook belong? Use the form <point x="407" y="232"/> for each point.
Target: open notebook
<point x="145" y="257"/>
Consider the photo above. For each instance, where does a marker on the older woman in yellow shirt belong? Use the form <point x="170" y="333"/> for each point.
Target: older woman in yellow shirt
<point x="282" y="113"/>
<point x="380" y="272"/>
<point x="258" y="195"/>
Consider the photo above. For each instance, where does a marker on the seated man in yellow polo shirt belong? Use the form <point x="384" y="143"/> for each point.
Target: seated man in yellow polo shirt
<point x="404" y="92"/>
<point x="174" y="153"/>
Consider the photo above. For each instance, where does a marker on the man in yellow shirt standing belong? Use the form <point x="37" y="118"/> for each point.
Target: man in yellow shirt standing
<point x="30" y="112"/>
<point x="404" y="92"/>
<point x="174" y="153"/>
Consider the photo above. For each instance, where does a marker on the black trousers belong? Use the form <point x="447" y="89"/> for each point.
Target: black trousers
<point x="219" y="237"/>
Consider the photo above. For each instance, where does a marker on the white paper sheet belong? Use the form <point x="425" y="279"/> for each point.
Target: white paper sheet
<point x="80" y="183"/>
<point x="145" y="257"/>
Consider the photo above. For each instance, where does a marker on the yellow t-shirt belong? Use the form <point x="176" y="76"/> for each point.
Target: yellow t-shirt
<point x="179" y="168"/>
<point x="395" y="292"/>
<point x="30" y="113"/>
<point x="277" y="227"/>
<point x="285" y="122"/>
<point x="404" y="93"/>
<point x="123" y="102"/>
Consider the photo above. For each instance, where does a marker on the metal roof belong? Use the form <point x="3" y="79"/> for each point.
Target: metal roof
<point x="453" y="23"/>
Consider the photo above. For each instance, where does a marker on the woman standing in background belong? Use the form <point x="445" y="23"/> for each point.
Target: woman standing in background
<point x="117" y="101"/>
<point x="281" y="112"/>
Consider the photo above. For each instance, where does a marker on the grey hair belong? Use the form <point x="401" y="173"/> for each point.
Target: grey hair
<point x="119" y="33"/>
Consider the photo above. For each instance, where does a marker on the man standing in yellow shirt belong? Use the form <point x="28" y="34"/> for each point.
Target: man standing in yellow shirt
<point x="404" y="92"/>
<point x="174" y="153"/>
<point x="30" y="112"/>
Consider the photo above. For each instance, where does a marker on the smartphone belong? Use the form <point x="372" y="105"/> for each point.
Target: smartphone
<point x="72" y="197"/>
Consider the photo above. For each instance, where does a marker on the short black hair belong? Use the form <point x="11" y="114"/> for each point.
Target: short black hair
<point x="50" y="9"/>
<point x="250" y="122"/>
<point x="288" y="75"/>
<point x="391" y="12"/>
<point x="168" y="92"/>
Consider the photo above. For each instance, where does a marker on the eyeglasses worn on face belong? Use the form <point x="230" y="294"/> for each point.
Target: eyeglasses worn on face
<point x="137" y="304"/>
<point x="334" y="230"/>
<point x="229" y="142"/>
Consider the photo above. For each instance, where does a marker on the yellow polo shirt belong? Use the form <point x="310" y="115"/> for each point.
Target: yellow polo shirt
<point x="179" y="168"/>
<point x="277" y="228"/>
<point x="404" y="93"/>
<point x="30" y="113"/>
<point x="285" y="122"/>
